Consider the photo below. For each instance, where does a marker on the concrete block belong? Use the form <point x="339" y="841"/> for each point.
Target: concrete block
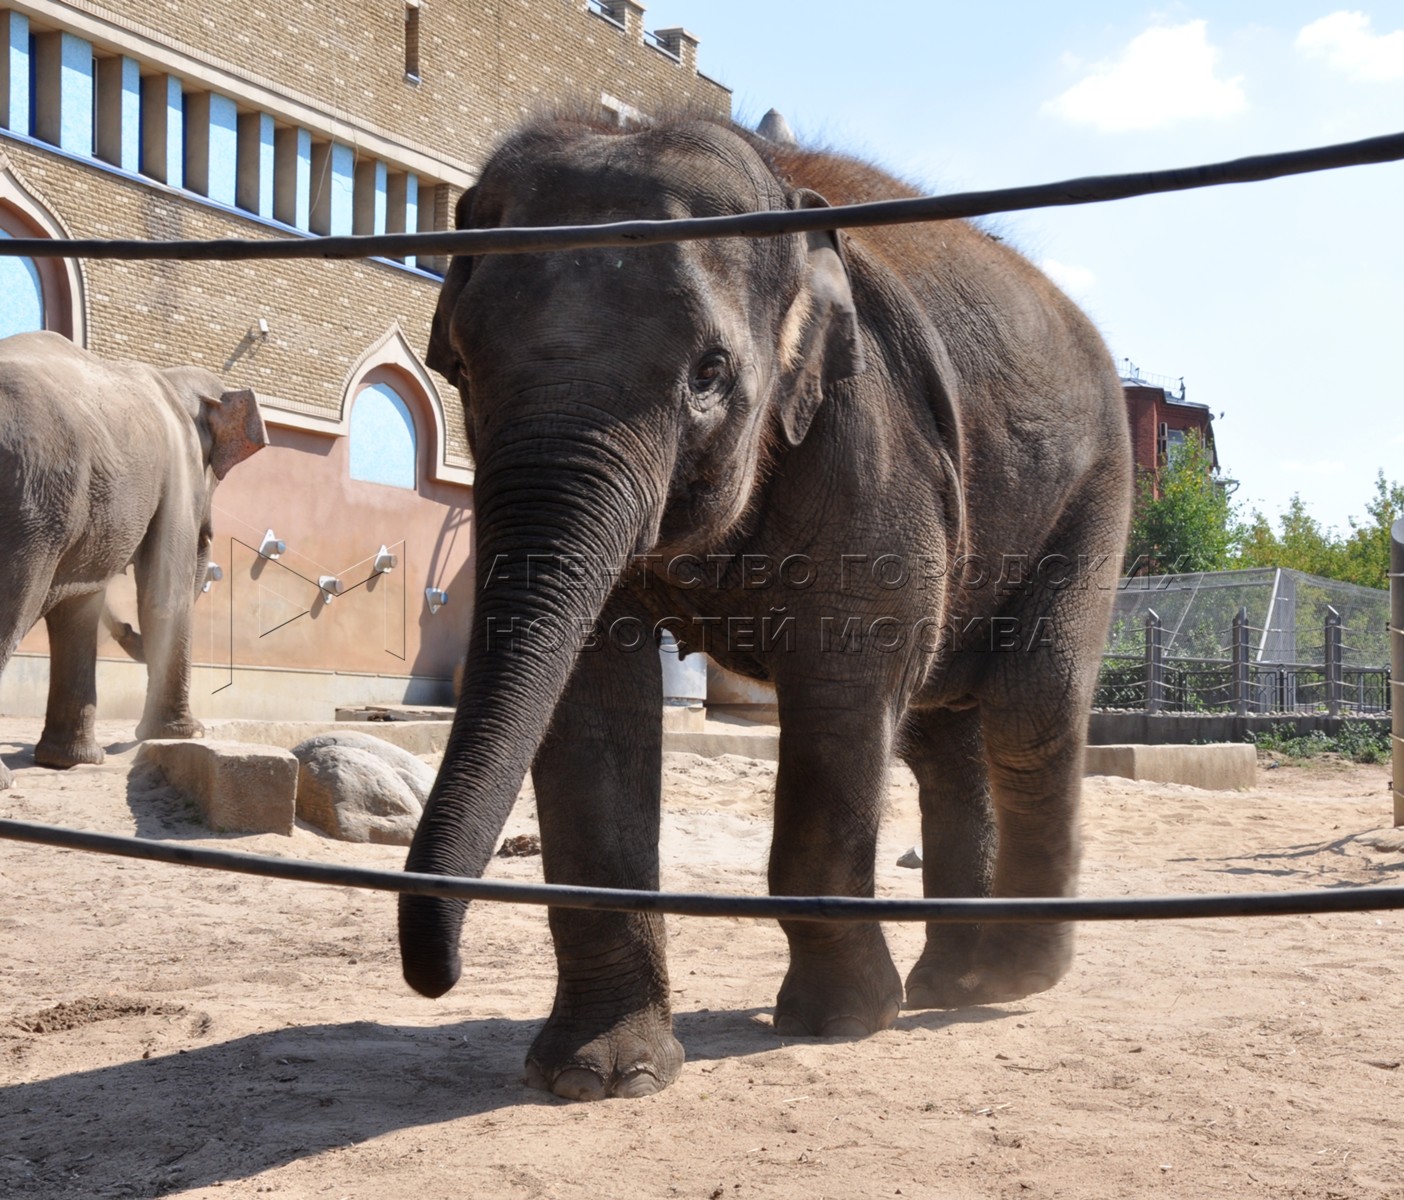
<point x="1222" y="767"/>
<point x="238" y="788"/>
<point x="684" y="718"/>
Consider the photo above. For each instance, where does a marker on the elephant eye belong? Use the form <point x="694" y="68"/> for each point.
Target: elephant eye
<point x="711" y="375"/>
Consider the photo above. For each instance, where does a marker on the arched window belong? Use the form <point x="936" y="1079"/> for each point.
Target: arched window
<point x="36" y="293"/>
<point x="21" y="295"/>
<point x="384" y="447"/>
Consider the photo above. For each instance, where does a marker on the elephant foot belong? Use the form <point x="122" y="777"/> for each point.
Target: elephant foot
<point x="846" y="991"/>
<point x="634" y="1056"/>
<point x="180" y="727"/>
<point x="62" y="753"/>
<point x="1008" y="962"/>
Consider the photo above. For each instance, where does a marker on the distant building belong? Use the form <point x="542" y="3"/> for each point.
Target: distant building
<point x="1161" y="419"/>
<point x="184" y="119"/>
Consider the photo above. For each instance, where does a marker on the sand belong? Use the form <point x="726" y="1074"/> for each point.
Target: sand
<point x="171" y="1032"/>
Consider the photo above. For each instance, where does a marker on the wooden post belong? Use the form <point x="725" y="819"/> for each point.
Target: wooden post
<point x="1240" y="662"/>
<point x="1396" y="662"/>
<point x="1155" y="663"/>
<point x="1333" y="662"/>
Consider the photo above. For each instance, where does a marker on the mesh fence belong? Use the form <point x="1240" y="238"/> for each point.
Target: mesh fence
<point x="1261" y="640"/>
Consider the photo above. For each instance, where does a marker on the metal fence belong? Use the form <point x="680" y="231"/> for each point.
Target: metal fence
<point x="1242" y="681"/>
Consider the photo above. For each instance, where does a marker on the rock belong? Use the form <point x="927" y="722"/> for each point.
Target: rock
<point x="238" y="788"/>
<point x="417" y="774"/>
<point x="357" y="788"/>
<point x="912" y="858"/>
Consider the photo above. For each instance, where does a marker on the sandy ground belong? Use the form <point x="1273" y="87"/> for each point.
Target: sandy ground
<point x="171" y="1032"/>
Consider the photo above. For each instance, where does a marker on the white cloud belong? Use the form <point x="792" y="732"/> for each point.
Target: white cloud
<point x="1346" y="41"/>
<point x="1165" y="75"/>
<point x="1075" y="280"/>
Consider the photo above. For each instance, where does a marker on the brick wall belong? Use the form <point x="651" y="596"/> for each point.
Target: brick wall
<point x="482" y="66"/>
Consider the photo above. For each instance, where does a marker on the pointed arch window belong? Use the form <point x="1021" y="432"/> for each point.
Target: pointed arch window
<point x="384" y="442"/>
<point x="21" y="294"/>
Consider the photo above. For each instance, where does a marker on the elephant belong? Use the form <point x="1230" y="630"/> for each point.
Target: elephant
<point x="106" y="464"/>
<point x="886" y="470"/>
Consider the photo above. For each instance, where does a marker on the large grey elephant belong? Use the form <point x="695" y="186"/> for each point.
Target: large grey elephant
<point x="105" y="464"/>
<point x="888" y="471"/>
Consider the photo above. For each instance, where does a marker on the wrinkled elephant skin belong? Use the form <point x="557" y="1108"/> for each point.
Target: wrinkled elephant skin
<point x="886" y="470"/>
<point x="105" y="464"/>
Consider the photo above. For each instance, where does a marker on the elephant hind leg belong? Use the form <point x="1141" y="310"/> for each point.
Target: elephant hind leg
<point x="945" y="751"/>
<point x="21" y="606"/>
<point x="68" y="737"/>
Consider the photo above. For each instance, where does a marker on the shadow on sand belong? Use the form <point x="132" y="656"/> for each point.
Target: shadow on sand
<point x="234" y="1109"/>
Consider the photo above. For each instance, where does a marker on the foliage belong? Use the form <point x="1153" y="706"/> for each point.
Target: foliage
<point x="1358" y="741"/>
<point x="1362" y="557"/>
<point x="1189" y="523"/>
<point x="1186" y="524"/>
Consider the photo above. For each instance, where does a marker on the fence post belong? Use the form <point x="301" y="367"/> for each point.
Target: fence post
<point x="1240" y="661"/>
<point x="1333" y="662"/>
<point x="1155" y="663"/>
<point x="1396" y="662"/>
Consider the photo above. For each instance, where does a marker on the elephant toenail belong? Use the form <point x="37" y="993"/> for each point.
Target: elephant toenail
<point x="637" y="1081"/>
<point x="579" y="1083"/>
<point x="844" y="1027"/>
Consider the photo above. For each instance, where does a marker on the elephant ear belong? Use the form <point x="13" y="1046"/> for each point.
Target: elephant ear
<point x="819" y="340"/>
<point x="236" y="429"/>
<point x="441" y="355"/>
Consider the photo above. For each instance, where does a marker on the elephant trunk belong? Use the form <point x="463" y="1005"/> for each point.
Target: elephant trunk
<point x="550" y="543"/>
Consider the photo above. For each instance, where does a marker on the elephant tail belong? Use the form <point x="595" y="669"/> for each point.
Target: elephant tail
<point x="124" y="635"/>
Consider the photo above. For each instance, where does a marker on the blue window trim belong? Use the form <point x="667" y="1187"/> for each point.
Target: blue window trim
<point x="107" y="168"/>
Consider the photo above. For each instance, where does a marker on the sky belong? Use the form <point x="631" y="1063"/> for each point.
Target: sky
<point x="1281" y="304"/>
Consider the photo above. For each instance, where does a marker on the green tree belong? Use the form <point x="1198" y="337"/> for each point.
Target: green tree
<point x="1366" y="551"/>
<point x="1189" y="525"/>
<point x="1303" y="545"/>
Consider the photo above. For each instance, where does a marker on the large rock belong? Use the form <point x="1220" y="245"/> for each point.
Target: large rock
<point x="358" y="788"/>
<point x="238" y="788"/>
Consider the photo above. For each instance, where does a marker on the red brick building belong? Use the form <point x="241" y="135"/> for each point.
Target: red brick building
<point x="1161" y="420"/>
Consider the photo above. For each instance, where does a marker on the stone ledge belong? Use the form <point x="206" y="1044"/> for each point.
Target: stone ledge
<point x="1222" y="767"/>
<point x="418" y="737"/>
<point x="238" y="787"/>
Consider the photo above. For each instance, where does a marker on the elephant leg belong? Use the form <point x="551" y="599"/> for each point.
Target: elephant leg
<point x="598" y="778"/>
<point x="945" y="750"/>
<point x="165" y="579"/>
<point x="68" y="737"/>
<point x="1036" y="783"/>
<point x="20" y="607"/>
<point x="829" y="794"/>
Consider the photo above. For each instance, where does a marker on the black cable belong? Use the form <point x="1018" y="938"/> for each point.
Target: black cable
<point x="701" y="904"/>
<point x="1089" y="190"/>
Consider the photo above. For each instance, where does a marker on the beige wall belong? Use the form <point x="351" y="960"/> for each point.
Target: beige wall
<point x="483" y="68"/>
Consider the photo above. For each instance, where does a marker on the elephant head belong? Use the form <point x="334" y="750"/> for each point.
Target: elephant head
<point x="617" y="402"/>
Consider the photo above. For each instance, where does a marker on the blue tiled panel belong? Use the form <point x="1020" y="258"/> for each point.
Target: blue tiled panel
<point x="131" y="115"/>
<point x="343" y="189"/>
<point x="76" y="95"/>
<point x="224" y="149"/>
<point x="16" y="50"/>
<point x="411" y="209"/>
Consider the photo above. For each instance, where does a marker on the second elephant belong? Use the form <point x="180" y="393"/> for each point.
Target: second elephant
<point x="105" y="464"/>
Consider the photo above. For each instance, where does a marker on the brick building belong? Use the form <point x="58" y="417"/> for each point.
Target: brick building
<point x="182" y="119"/>
<point x="1160" y="421"/>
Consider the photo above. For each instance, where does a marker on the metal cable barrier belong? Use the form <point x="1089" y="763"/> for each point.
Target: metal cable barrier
<point x="1090" y="190"/>
<point x="707" y="904"/>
